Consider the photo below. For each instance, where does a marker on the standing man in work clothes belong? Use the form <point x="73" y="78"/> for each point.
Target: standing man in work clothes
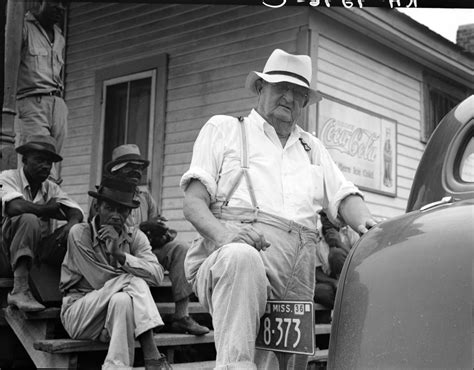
<point x="253" y="191"/>
<point x="41" y="109"/>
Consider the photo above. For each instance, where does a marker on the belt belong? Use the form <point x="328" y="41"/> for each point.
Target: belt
<point x="51" y="93"/>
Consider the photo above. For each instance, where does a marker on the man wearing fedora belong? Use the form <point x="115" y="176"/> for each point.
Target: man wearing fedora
<point x="29" y="204"/>
<point x="253" y="191"/>
<point x="105" y="279"/>
<point x="128" y="163"/>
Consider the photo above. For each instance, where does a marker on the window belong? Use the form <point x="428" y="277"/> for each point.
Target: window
<point x="466" y="171"/>
<point x="128" y="114"/>
<point x="129" y="108"/>
<point x="440" y="96"/>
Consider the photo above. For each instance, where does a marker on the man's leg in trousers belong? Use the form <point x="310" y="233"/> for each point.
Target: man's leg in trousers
<point x="59" y="112"/>
<point x="232" y="285"/>
<point x="119" y="323"/>
<point x="21" y="238"/>
<point x="23" y="235"/>
<point x="85" y="318"/>
<point x="171" y="256"/>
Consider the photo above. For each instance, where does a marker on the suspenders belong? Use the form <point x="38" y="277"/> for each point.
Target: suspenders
<point x="244" y="167"/>
<point x="244" y="170"/>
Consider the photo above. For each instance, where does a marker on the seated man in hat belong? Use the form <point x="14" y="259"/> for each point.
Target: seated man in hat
<point x="29" y="204"/>
<point x="128" y="163"/>
<point x="253" y="191"/>
<point x="105" y="279"/>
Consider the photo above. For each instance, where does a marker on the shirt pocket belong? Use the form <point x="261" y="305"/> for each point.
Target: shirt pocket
<point x="317" y="182"/>
<point x="38" y="57"/>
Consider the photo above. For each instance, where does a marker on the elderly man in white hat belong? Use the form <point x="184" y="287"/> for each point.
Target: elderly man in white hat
<point x="253" y="191"/>
<point x="128" y="163"/>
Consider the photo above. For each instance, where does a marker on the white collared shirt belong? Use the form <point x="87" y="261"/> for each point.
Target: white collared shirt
<point x="14" y="184"/>
<point x="289" y="182"/>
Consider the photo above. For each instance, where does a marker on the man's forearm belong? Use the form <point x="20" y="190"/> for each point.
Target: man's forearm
<point x="20" y="206"/>
<point x="355" y="213"/>
<point x="196" y="210"/>
<point x="200" y="216"/>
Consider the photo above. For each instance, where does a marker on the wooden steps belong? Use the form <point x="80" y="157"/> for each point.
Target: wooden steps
<point x="34" y="330"/>
<point x="77" y="345"/>
<point x="164" y="308"/>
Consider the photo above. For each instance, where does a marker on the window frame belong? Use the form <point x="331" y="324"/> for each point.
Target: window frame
<point x="151" y="123"/>
<point x="448" y="88"/>
<point x="158" y="64"/>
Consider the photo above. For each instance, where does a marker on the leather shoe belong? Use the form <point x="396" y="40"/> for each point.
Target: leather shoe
<point x="24" y="301"/>
<point x="158" y="364"/>
<point x="187" y="324"/>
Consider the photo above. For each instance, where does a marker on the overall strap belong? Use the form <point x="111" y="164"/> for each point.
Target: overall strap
<point x="244" y="168"/>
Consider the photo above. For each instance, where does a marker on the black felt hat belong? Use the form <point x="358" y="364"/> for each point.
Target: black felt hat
<point x="40" y="143"/>
<point x="116" y="190"/>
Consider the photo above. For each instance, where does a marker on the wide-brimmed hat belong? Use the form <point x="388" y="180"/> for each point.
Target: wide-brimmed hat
<point x="40" y="143"/>
<point x="116" y="190"/>
<point x="284" y="67"/>
<point x="124" y="154"/>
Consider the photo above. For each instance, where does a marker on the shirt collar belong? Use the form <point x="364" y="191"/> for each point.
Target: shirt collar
<point x="26" y="185"/>
<point x="29" y="17"/>
<point x="263" y="125"/>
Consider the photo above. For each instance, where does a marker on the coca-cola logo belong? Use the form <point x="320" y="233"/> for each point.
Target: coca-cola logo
<point x="351" y="140"/>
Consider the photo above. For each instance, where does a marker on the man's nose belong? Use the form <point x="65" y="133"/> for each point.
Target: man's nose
<point x="289" y="95"/>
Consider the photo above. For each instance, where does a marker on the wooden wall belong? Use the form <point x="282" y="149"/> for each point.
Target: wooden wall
<point x="211" y="49"/>
<point x="371" y="76"/>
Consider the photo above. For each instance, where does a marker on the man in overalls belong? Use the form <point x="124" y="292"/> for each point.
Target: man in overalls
<point x="253" y="192"/>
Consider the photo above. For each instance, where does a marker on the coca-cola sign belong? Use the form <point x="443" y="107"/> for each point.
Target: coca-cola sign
<point x="362" y="143"/>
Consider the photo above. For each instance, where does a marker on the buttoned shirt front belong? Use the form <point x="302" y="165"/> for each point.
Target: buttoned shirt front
<point x="289" y="181"/>
<point x="15" y="185"/>
<point x="88" y="266"/>
<point x="41" y="60"/>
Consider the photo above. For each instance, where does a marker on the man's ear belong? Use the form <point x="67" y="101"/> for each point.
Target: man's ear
<point x="95" y="205"/>
<point x="259" y="86"/>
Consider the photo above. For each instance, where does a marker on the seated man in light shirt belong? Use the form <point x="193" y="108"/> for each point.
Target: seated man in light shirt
<point x="30" y="203"/>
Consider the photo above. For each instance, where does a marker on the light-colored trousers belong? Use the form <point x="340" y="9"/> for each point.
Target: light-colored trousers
<point x="236" y="280"/>
<point x="42" y="115"/>
<point x="124" y="306"/>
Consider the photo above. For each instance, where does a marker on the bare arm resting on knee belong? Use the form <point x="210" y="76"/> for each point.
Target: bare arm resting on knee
<point x="196" y="210"/>
<point x="355" y="213"/>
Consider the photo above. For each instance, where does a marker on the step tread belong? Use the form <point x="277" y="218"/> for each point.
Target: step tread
<point x="165" y="308"/>
<point x="79" y="345"/>
<point x="322" y="329"/>
<point x="319" y="355"/>
<point x="202" y="365"/>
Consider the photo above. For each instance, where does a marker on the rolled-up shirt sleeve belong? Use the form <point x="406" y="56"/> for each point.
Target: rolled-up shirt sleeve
<point x="208" y="153"/>
<point x="336" y="186"/>
<point x="141" y="261"/>
<point x="54" y="191"/>
<point x="9" y="189"/>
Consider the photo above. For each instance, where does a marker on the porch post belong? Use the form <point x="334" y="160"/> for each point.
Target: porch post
<point x="12" y="34"/>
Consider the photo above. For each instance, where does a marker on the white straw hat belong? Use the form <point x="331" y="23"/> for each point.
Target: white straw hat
<point x="284" y="67"/>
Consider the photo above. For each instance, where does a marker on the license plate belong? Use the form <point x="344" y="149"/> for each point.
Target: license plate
<point x="287" y="326"/>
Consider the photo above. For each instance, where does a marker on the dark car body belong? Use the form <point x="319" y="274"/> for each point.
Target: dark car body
<point x="405" y="295"/>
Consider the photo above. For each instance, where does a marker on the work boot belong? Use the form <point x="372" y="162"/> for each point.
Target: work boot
<point x="158" y="364"/>
<point x="187" y="324"/>
<point x="24" y="301"/>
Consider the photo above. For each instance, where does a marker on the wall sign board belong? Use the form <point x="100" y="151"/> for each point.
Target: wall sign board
<point x="362" y="143"/>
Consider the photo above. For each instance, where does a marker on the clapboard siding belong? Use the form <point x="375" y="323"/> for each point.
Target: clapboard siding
<point x="369" y="77"/>
<point x="210" y="51"/>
